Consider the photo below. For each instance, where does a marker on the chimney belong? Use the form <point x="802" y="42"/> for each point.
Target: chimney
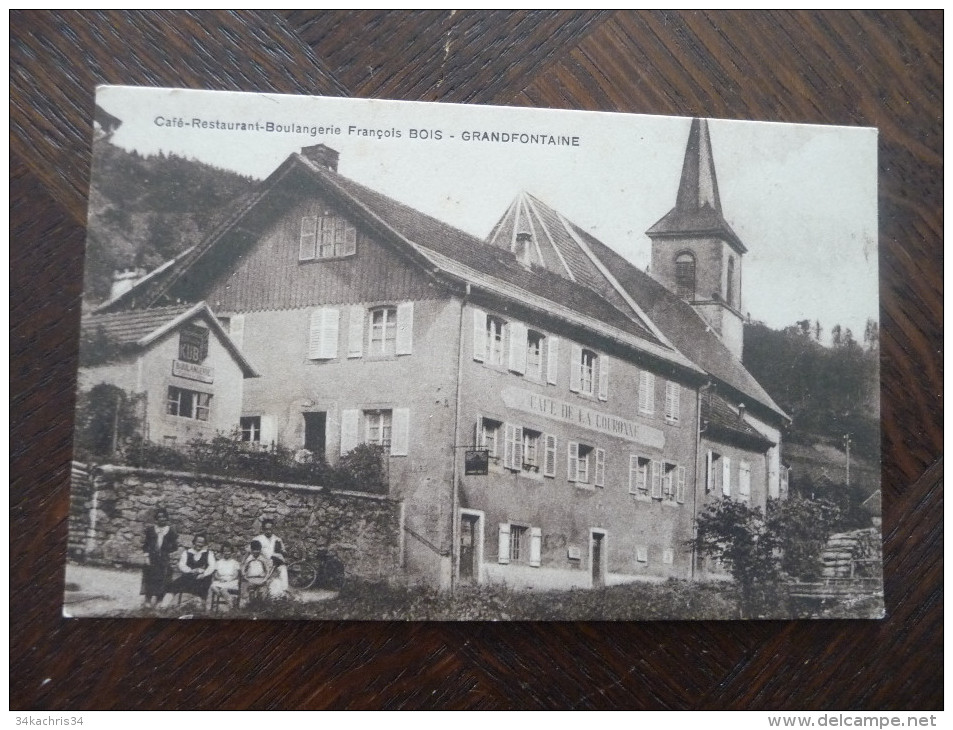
<point x="741" y="411"/>
<point x="322" y="155"/>
<point x="524" y="243"/>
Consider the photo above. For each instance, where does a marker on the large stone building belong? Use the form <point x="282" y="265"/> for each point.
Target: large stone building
<point x="613" y="405"/>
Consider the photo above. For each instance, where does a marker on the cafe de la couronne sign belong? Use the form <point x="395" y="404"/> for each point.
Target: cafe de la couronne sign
<point x="558" y="410"/>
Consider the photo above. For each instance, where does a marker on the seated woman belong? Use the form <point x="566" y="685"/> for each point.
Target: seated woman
<point x="196" y="566"/>
<point x="225" y="577"/>
<point x="256" y="571"/>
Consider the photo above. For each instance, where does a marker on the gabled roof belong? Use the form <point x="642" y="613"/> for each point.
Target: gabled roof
<point x="137" y="329"/>
<point x="722" y="422"/>
<point x="449" y="254"/>
<point x="697" y="208"/>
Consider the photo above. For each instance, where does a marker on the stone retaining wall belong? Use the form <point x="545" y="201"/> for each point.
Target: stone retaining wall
<point x="363" y="531"/>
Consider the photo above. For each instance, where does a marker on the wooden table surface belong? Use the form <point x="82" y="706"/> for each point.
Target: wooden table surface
<point x="878" y="69"/>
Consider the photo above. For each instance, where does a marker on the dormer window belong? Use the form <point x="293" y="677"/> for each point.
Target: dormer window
<point x="326" y="237"/>
<point x="685" y="276"/>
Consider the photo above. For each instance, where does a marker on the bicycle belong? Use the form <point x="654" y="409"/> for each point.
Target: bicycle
<point x="324" y="571"/>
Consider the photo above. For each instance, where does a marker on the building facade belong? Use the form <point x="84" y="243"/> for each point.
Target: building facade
<point x="612" y="406"/>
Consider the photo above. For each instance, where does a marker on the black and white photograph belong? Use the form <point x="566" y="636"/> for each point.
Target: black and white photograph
<point x="376" y="360"/>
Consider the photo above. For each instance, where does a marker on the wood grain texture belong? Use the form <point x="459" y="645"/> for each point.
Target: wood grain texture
<point x="881" y="69"/>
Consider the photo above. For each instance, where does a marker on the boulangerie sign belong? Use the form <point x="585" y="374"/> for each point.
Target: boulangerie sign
<point x="459" y="362"/>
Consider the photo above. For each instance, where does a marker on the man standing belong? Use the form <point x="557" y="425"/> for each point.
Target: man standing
<point x="270" y="542"/>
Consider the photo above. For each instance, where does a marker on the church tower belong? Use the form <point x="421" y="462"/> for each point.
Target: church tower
<point x="694" y="251"/>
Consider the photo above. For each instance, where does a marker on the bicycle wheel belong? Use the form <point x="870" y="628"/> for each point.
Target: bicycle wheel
<point x="301" y="575"/>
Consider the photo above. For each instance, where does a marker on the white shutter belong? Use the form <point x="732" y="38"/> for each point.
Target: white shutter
<point x="504" y="549"/>
<point x="236" y="329"/>
<point x="633" y="473"/>
<point x="680" y="485"/>
<point x="405" y="328"/>
<point x="314" y="334"/>
<point x="517" y="362"/>
<point x="669" y="399"/>
<point x="479" y="335"/>
<point x="355" y="332"/>
<point x="400" y="432"/>
<point x="603" y="377"/>
<point x="656" y="479"/>
<point x="478" y="439"/>
<point x="349" y="430"/>
<point x="600" y="467"/>
<point x="535" y="546"/>
<point x="267" y="435"/>
<point x="552" y="359"/>
<point x="646" y="392"/>
<point x="572" y="461"/>
<point x="726" y="476"/>
<point x="508" y="431"/>
<point x="676" y="400"/>
<point x="549" y="463"/>
<point x="575" y="364"/>
<point x="709" y="473"/>
<point x="744" y="480"/>
<point x="329" y="336"/>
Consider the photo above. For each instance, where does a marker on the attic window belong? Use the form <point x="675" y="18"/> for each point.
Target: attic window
<point x="326" y="237"/>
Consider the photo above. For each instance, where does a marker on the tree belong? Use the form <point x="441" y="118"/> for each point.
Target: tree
<point x="739" y="536"/>
<point x="801" y="527"/>
<point x="106" y="416"/>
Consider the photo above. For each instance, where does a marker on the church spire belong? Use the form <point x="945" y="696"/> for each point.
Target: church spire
<point x="699" y="186"/>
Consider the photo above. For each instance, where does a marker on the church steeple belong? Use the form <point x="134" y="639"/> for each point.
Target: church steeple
<point x="695" y="252"/>
<point x="699" y="186"/>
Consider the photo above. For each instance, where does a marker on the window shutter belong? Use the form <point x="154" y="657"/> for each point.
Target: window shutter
<point x="633" y="473"/>
<point x="535" y="546"/>
<point x="349" y="430"/>
<point x="314" y="334"/>
<point x="504" y="549"/>
<point x="600" y="467"/>
<point x="676" y="400"/>
<point x="744" y="480"/>
<point x="478" y="439"/>
<point x="549" y="465"/>
<point x="400" y="432"/>
<point x="726" y="476"/>
<point x="355" y="332"/>
<point x="508" y="430"/>
<point x="552" y="359"/>
<point x="309" y="227"/>
<point x="572" y="461"/>
<point x="668" y="399"/>
<point x="350" y="240"/>
<point x="575" y="367"/>
<point x="323" y="334"/>
<point x="680" y="486"/>
<point x="517" y="362"/>
<point x="479" y="335"/>
<point x="656" y="479"/>
<point x="709" y="473"/>
<point x="267" y="436"/>
<point x="405" y="328"/>
<point x="603" y="377"/>
<point x="236" y="329"/>
<point x="646" y="392"/>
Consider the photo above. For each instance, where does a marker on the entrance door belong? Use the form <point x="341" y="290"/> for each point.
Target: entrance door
<point x="315" y="432"/>
<point x="468" y="542"/>
<point x="598" y="569"/>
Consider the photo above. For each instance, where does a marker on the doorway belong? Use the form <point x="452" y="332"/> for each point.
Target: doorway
<point x="470" y="552"/>
<point x="598" y="554"/>
<point x="315" y="433"/>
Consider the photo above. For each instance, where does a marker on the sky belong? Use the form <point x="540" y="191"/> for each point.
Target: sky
<point x="802" y="198"/>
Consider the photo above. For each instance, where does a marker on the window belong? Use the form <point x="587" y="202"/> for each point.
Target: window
<point x="520" y="544"/>
<point x="531" y="450"/>
<point x="250" y="427"/>
<point x="377" y="428"/>
<point x="488" y="433"/>
<point x="549" y="465"/>
<point x="669" y="472"/>
<point x="588" y="369"/>
<point x="578" y="462"/>
<point x="685" y="275"/>
<point x="188" y="404"/>
<point x="534" y="355"/>
<point x="639" y="475"/>
<point x="646" y="393"/>
<point x="383" y="331"/>
<point x="326" y="237"/>
<point x="730" y="289"/>
<point x="673" y="392"/>
<point x="718" y="474"/>
<point x="494" y="340"/>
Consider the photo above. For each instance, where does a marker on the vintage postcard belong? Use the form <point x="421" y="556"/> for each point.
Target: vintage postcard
<point x="363" y="359"/>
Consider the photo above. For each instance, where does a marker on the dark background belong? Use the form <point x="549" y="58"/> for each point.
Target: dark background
<point x="878" y="69"/>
